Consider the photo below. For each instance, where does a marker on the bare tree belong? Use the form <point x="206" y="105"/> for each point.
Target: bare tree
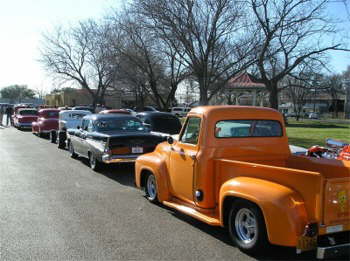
<point x="290" y="32"/>
<point x="154" y="59"/>
<point x="81" y="55"/>
<point x="208" y="34"/>
<point x="346" y="83"/>
<point x="298" y="91"/>
<point x="334" y="87"/>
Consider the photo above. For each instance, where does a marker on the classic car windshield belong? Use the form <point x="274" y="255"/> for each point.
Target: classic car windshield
<point x="52" y="114"/>
<point x="119" y="125"/>
<point x="28" y="112"/>
<point x="76" y="115"/>
<point x="247" y="128"/>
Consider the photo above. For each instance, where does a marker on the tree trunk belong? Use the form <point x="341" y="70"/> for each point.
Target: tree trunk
<point x="273" y="94"/>
<point x="336" y="108"/>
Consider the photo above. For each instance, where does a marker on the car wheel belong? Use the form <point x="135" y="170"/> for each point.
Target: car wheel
<point x="61" y="143"/>
<point x="151" y="188"/>
<point x="94" y="163"/>
<point x="53" y="136"/>
<point x="71" y="151"/>
<point x="40" y="134"/>
<point x="247" y="227"/>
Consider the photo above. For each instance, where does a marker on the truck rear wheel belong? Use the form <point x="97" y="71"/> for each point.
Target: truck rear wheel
<point x="247" y="227"/>
<point x="151" y="188"/>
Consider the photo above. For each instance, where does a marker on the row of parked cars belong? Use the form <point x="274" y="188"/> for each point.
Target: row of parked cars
<point x="230" y="166"/>
<point x="109" y="136"/>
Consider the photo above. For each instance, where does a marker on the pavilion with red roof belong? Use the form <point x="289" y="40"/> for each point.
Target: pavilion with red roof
<point x="245" y="82"/>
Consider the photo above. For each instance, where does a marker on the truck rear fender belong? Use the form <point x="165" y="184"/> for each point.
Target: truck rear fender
<point x="283" y="208"/>
<point x="156" y="165"/>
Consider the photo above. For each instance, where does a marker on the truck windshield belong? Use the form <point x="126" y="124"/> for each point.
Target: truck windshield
<point x="248" y="128"/>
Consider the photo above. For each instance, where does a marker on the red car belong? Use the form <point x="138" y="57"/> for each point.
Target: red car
<point x="119" y="111"/>
<point x="47" y="123"/>
<point x="23" y="117"/>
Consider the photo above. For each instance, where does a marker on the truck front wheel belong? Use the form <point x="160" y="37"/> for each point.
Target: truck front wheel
<point x="247" y="227"/>
<point x="151" y="188"/>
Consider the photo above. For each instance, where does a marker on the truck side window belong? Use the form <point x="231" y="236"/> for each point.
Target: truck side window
<point x="191" y="132"/>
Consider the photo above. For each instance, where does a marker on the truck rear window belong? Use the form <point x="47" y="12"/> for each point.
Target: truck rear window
<point x="247" y="128"/>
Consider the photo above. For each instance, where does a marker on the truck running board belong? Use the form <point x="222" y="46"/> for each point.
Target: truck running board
<point x="213" y="221"/>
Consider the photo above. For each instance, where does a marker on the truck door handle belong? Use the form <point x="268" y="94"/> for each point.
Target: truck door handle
<point x="192" y="156"/>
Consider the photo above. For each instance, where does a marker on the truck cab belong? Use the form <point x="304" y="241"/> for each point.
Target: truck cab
<point x="232" y="167"/>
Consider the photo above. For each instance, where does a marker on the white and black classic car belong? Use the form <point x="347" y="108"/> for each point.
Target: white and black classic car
<point x="111" y="138"/>
<point x="68" y="119"/>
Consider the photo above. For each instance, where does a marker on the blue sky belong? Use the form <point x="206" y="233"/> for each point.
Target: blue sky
<point x="23" y="21"/>
<point x="21" y="25"/>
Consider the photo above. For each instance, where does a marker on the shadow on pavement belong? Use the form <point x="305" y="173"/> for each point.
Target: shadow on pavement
<point x="122" y="173"/>
<point x="272" y="252"/>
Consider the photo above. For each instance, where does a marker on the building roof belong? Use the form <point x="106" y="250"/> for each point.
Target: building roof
<point x="245" y="81"/>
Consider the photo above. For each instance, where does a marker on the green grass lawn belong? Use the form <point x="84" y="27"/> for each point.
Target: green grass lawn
<point x="306" y="133"/>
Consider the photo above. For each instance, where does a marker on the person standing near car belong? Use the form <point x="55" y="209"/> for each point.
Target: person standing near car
<point x="1" y="114"/>
<point x="9" y="111"/>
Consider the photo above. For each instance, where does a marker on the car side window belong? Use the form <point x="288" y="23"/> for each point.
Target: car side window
<point x="191" y="132"/>
<point x="90" y="126"/>
<point x="84" y="124"/>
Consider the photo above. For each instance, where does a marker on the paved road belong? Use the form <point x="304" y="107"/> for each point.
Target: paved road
<point x="56" y="208"/>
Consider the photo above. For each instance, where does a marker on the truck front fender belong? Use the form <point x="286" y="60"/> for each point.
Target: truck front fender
<point x="282" y="207"/>
<point x="154" y="163"/>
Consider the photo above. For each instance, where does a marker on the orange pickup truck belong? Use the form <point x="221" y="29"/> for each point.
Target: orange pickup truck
<point x="231" y="166"/>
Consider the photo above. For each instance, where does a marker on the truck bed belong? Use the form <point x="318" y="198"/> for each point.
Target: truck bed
<point x="320" y="182"/>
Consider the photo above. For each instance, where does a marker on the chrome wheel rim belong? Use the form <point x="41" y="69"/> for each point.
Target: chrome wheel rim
<point x="71" y="150"/>
<point x="246" y="225"/>
<point x="92" y="161"/>
<point x="151" y="187"/>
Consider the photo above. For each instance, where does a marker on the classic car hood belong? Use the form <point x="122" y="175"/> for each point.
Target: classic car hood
<point x="27" y="118"/>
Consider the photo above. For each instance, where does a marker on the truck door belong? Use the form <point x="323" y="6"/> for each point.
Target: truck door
<point x="183" y="160"/>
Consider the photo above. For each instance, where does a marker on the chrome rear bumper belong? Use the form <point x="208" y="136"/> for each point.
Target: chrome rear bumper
<point x="118" y="158"/>
<point x="333" y="251"/>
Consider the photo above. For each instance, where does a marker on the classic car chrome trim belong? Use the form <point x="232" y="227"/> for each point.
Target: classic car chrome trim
<point x="118" y="158"/>
<point x="332" y="251"/>
<point x="48" y="131"/>
<point x="24" y="125"/>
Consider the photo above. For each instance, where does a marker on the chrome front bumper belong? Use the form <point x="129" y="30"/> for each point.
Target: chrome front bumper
<point x="118" y="158"/>
<point x="333" y="251"/>
<point x="47" y="131"/>
<point x="24" y="125"/>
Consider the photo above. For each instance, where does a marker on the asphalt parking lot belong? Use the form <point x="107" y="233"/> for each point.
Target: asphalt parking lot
<point x="55" y="208"/>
